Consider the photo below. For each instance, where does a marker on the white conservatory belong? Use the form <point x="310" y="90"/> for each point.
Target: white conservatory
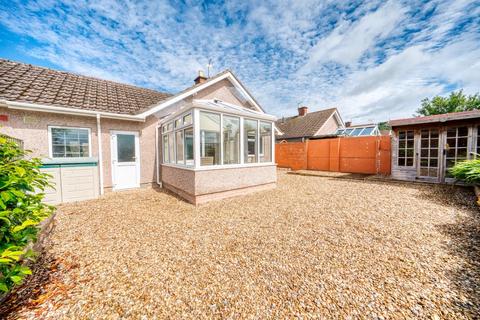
<point x="210" y="149"/>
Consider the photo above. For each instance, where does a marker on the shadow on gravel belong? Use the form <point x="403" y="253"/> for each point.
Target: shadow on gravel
<point x="464" y="243"/>
<point x="30" y="293"/>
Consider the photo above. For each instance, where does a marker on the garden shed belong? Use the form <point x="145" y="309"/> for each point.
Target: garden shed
<point x="425" y="148"/>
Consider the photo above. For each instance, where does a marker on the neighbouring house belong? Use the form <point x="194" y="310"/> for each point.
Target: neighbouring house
<point x="358" y="130"/>
<point x="308" y="125"/>
<point x="424" y="148"/>
<point x="209" y="141"/>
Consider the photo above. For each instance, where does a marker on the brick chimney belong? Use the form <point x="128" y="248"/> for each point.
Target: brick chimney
<point x="302" y="111"/>
<point x="200" y="78"/>
<point x="348" y="123"/>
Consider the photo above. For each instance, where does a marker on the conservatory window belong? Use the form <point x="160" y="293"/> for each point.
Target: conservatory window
<point x="166" y="156"/>
<point x="178" y="141"/>
<point x="250" y="136"/>
<point x="231" y="140"/>
<point x="179" y="145"/>
<point x="265" y="142"/>
<point x="187" y="119"/>
<point x="188" y="146"/>
<point x="209" y="139"/>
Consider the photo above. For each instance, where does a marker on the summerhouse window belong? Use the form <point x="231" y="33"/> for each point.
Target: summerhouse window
<point x="478" y="143"/>
<point x="66" y="142"/>
<point x="405" y="148"/>
<point x="456" y="148"/>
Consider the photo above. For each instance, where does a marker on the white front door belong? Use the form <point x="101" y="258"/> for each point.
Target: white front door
<point x="125" y="160"/>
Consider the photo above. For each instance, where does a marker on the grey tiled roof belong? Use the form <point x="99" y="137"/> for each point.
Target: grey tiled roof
<point x="27" y="83"/>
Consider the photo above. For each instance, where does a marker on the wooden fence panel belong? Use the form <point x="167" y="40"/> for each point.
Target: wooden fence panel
<point x="318" y="155"/>
<point x="370" y="155"/>
<point x="291" y="155"/>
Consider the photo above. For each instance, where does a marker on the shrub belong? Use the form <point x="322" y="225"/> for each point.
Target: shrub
<point x="21" y="210"/>
<point x="467" y="171"/>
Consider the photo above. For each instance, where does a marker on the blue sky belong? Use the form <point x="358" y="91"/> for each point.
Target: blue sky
<point x="373" y="60"/>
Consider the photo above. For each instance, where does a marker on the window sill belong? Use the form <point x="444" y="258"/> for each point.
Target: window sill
<point x="220" y="167"/>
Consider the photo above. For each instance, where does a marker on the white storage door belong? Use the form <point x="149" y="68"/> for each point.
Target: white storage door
<point x="72" y="183"/>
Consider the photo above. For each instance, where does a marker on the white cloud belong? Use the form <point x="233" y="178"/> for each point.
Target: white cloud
<point x="350" y="40"/>
<point x="373" y="60"/>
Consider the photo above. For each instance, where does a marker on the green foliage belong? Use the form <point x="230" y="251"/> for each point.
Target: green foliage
<point x="467" y="171"/>
<point x="384" y="126"/>
<point x="457" y="101"/>
<point x="21" y="210"/>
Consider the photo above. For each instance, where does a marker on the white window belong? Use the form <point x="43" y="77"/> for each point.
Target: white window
<point x="178" y="141"/>
<point x="209" y="139"/>
<point x="265" y="142"/>
<point x="219" y="140"/>
<point x="166" y="156"/>
<point x="68" y="142"/>
<point x="250" y="137"/>
<point x="180" y="149"/>
<point x="188" y="142"/>
<point x="231" y="140"/>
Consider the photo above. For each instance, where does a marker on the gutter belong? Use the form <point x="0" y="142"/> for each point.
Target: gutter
<point x="100" y="154"/>
<point x="54" y="109"/>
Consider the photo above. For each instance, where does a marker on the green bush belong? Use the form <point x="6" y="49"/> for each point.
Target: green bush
<point x="467" y="171"/>
<point x="21" y="210"/>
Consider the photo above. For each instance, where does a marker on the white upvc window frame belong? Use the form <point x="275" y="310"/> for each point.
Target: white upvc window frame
<point x="195" y="111"/>
<point x="50" y="141"/>
<point x="183" y="127"/>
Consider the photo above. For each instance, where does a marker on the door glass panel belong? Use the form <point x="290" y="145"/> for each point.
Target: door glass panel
<point x="429" y="153"/>
<point x="125" y="148"/>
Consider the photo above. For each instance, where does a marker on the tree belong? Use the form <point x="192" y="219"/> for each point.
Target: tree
<point x="457" y="101"/>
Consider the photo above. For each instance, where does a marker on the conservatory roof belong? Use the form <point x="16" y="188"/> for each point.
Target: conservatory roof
<point x="217" y="105"/>
<point x="357" y="131"/>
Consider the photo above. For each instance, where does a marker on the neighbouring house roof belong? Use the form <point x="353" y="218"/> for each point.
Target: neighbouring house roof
<point x="303" y="126"/>
<point x="436" y="118"/>
<point x="27" y="83"/>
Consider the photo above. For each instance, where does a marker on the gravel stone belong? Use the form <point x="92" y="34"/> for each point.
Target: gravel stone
<point x="315" y="247"/>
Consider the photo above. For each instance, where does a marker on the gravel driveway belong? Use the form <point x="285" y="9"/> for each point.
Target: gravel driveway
<point x="313" y="247"/>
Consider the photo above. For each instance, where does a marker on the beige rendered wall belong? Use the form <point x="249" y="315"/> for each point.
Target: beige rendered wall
<point x="191" y="184"/>
<point x="223" y="90"/>
<point x="32" y="128"/>
<point x="329" y="127"/>
<point x="219" y="180"/>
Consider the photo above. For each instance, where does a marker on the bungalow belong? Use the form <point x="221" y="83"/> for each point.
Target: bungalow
<point x="307" y="125"/>
<point x="211" y="140"/>
<point x="424" y="148"/>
